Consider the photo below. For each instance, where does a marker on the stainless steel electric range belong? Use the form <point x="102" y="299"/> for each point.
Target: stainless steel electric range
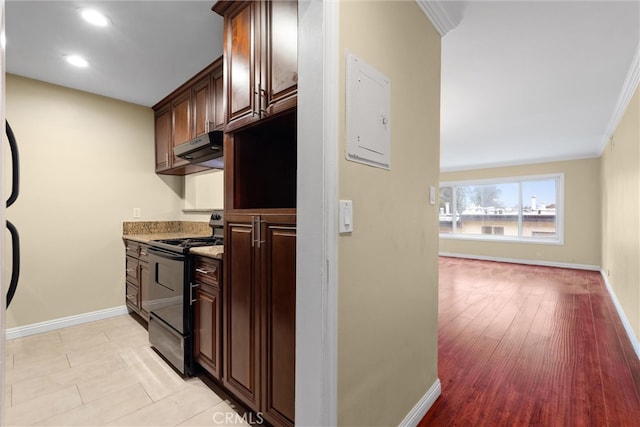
<point x="170" y="302"/>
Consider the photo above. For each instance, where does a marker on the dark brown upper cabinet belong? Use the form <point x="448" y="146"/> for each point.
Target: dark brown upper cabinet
<point x="181" y="108"/>
<point x="189" y="111"/>
<point x="201" y="106"/>
<point x="260" y="59"/>
<point x="163" y="136"/>
<point x="217" y="85"/>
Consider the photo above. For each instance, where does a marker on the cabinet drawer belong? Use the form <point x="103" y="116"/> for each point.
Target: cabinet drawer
<point x="133" y="249"/>
<point x="207" y="270"/>
<point x="132" y="269"/>
<point x="132" y="294"/>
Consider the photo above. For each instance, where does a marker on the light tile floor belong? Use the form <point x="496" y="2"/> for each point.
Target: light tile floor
<point x="103" y="373"/>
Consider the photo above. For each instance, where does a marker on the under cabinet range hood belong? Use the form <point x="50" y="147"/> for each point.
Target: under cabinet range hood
<point x="204" y="150"/>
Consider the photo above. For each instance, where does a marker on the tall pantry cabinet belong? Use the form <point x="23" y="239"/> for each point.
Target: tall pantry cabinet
<point x="260" y="90"/>
<point x="259" y="333"/>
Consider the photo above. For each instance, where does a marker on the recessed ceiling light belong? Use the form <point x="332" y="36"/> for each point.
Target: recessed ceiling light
<point x="94" y="17"/>
<point x="76" y="60"/>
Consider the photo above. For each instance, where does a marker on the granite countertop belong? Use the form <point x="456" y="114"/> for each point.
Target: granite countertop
<point x="145" y="231"/>
<point x="209" y="251"/>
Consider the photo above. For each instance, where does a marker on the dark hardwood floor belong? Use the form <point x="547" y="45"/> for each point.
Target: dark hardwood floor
<point x="526" y="345"/>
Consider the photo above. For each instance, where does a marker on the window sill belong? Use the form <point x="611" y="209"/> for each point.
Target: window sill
<point x="477" y="238"/>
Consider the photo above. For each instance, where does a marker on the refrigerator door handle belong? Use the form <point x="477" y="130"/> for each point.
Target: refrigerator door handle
<point x="15" y="254"/>
<point x="15" y="166"/>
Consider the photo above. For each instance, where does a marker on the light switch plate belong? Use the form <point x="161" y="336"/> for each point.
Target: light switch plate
<point x="432" y="195"/>
<point x="346" y="216"/>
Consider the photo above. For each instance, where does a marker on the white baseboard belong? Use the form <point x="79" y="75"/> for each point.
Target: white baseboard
<point x="64" y="322"/>
<point x="418" y="412"/>
<point x="524" y="261"/>
<point x="623" y="317"/>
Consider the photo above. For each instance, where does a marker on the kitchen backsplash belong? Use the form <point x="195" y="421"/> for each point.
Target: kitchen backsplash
<point x="153" y="227"/>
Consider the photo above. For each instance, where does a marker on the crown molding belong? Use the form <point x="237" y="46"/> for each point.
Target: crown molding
<point x="628" y="90"/>
<point x="438" y="15"/>
<point x="518" y="162"/>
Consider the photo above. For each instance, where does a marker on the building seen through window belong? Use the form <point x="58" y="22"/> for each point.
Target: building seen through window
<point x="525" y="208"/>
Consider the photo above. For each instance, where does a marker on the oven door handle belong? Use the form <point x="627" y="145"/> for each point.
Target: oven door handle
<point x="15" y="271"/>
<point x="164" y="254"/>
<point x="15" y="165"/>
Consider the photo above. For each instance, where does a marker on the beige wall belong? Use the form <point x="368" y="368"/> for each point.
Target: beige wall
<point x="581" y="216"/>
<point x="204" y="191"/>
<point x="86" y="162"/>
<point x="388" y="267"/>
<point x="621" y="212"/>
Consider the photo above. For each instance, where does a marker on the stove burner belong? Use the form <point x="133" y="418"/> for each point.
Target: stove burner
<point x="183" y="245"/>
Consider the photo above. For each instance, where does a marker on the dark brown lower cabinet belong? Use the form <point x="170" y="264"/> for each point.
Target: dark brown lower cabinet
<point x="144" y="289"/>
<point x="259" y="313"/>
<point x="241" y="335"/>
<point x="208" y="316"/>
<point x="278" y="274"/>
<point x="137" y="278"/>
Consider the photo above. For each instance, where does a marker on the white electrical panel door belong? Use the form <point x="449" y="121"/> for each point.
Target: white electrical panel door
<point x="368" y="109"/>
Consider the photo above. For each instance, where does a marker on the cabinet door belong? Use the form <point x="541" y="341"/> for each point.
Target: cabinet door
<point x="131" y="269"/>
<point x="200" y="107"/>
<point x="207" y="329"/>
<point x="143" y="286"/>
<point x="217" y="99"/>
<point x="131" y="296"/>
<point x="279" y="80"/>
<point x="241" y="316"/>
<point x="240" y="63"/>
<point x="163" y="137"/>
<point x="182" y="125"/>
<point x="278" y="285"/>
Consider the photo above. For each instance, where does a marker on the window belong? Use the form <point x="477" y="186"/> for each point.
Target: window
<point x="525" y="209"/>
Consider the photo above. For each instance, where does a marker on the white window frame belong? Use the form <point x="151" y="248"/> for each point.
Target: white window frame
<point x="558" y="240"/>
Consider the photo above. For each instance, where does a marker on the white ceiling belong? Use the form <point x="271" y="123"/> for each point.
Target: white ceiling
<point x="526" y="82"/>
<point x="522" y="82"/>
<point x="151" y="48"/>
